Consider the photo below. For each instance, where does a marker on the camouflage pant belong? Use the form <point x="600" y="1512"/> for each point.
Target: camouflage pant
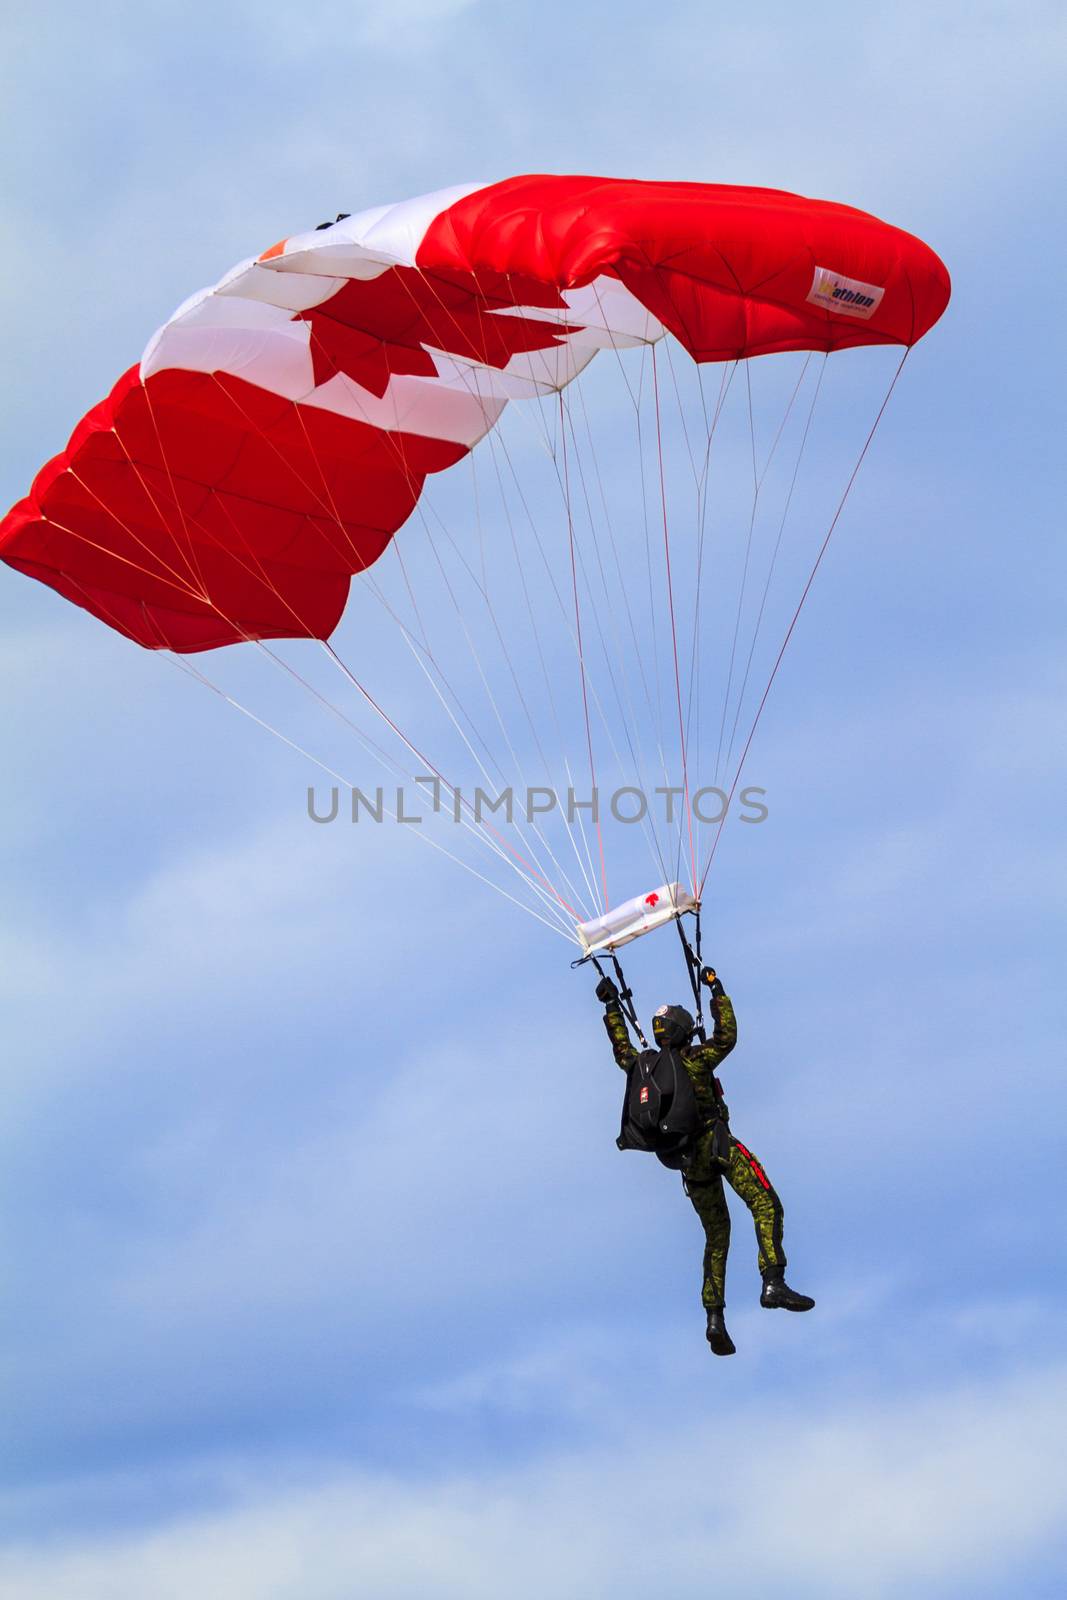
<point x="746" y="1178"/>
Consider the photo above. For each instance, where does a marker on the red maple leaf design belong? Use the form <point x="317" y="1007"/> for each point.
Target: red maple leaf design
<point x="371" y="330"/>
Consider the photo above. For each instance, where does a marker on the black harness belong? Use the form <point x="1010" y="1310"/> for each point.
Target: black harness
<point x="660" y="1112"/>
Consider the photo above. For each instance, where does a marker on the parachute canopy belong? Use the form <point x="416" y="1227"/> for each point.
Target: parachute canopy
<point x="623" y="635"/>
<point x="280" y="427"/>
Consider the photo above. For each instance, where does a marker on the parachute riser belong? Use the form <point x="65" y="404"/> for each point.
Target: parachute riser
<point x="626" y="994"/>
<point x="693" y="967"/>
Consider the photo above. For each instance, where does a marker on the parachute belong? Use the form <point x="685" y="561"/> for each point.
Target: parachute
<point x="269" y="463"/>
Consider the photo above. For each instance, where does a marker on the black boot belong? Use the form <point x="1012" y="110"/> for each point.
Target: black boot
<point x="777" y="1295"/>
<point x="718" y="1338"/>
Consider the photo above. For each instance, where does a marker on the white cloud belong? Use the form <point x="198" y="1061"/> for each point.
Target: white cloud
<point x="924" y="1495"/>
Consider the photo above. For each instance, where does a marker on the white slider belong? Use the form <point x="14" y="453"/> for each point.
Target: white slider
<point x="635" y="917"/>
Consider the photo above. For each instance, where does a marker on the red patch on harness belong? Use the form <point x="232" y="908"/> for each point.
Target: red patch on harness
<point x="643" y="1097"/>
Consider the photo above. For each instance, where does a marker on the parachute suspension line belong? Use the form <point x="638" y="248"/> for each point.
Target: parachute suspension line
<point x="635" y="637"/>
<point x="458" y="800"/>
<point x="391" y="764"/>
<point x="698" y="510"/>
<point x="698" y="478"/>
<point x="192" y="557"/>
<point x="175" y="581"/>
<point x="257" y="569"/>
<point x="549" y="438"/>
<point x="423" y="653"/>
<point x="546" y="675"/>
<point x="493" y="703"/>
<point x="787" y="414"/>
<point x="478" y="509"/>
<point x="415" y="484"/>
<point x="371" y="584"/>
<point x="744" y="577"/>
<point x="586" y="866"/>
<point x="681" y="419"/>
<point x="483" y="591"/>
<point x="581" y="657"/>
<point x="567" y="617"/>
<point x="333" y="512"/>
<point x="800" y="605"/>
<point x="254" y="567"/>
<point x="563" y="609"/>
<point x="559" y="926"/>
<point x="194" y="565"/>
<point x="568" y="425"/>
<point x="729" y="371"/>
<point x="202" y="678"/>
<point x="412" y="646"/>
<point x="135" y="566"/>
<point x="328" y="508"/>
<point x="551" y="446"/>
<point x="394" y="546"/>
<point x="693" y="707"/>
<point x="483" y="588"/>
<point x="653" y="608"/>
<point x="637" y="755"/>
<point x="635" y="401"/>
<point x="491" y="432"/>
<point x="501" y="724"/>
<point x="618" y="673"/>
<point x="759" y="477"/>
<point x="693" y="721"/>
<point x="674" y="631"/>
<point x="475" y="657"/>
<point x="328" y="505"/>
<point x="777" y="548"/>
<point x="751" y="427"/>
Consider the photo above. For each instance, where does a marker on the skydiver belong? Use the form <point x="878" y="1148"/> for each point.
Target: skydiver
<point x="715" y="1154"/>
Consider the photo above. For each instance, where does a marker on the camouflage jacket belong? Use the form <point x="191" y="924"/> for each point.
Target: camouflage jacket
<point x="700" y="1059"/>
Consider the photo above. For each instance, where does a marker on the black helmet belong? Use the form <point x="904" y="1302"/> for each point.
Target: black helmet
<point x="672" y="1025"/>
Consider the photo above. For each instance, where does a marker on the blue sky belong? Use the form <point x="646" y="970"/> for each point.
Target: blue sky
<point x="279" y="1321"/>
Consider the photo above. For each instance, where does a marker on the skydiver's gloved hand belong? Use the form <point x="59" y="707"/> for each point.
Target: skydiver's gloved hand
<point x="776" y="1294"/>
<point x="718" y="1338"/>
<point x="607" y="993"/>
<point x="709" y="976"/>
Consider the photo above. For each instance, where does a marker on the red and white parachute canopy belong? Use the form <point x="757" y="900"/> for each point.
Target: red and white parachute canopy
<point x="280" y="427"/>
